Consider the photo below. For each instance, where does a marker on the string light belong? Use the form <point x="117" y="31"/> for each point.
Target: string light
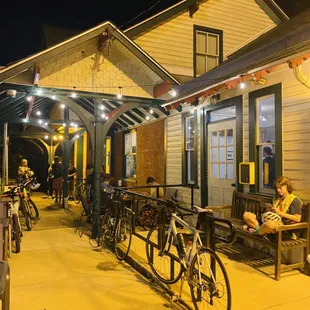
<point x="73" y="95"/>
<point x="38" y="113"/>
<point x="101" y="106"/>
<point x="151" y="111"/>
<point x="102" y="115"/>
<point x="29" y="98"/>
<point x="173" y="93"/>
<point x="147" y="118"/>
<point x="120" y="93"/>
<point x="40" y="121"/>
<point x="242" y="85"/>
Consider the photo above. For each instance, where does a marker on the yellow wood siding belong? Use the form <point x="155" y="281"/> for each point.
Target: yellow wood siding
<point x="171" y="43"/>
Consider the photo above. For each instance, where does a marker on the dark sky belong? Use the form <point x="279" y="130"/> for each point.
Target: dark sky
<point x="21" y="20"/>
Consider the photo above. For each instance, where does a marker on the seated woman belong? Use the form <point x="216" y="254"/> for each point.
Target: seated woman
<point x="286" y="205"/>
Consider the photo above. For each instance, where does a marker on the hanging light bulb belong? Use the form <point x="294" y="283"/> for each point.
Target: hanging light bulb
<point x="173" y="93"/>
<point x="107" y="117"/>
<point x="120" y="93"/>
<point x="39" y="91"/>
<point x="147" y="118"/>
<point x="55" y="138"/>
<point x="40" y="121"/>
<point x="77" y="136"/>
<point x="101" y="107"/>
<point x="73" y="95"/>
<point x="192" y="110"/>
<point x="46" y="123"/>
<point x="64" y="125"/>
<point x="102" y="115"/>
<point x="151" y="111"/>
<point x="29" y="98"/>
<point x="46" y="137"/>
<point x="62" y="106"/>
<point x="38" y="113"/>
<point x="242" y="85"/>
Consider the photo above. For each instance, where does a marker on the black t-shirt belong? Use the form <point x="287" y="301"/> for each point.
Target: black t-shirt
<point x="57" y="170"/>
<point x="71" y="170"/>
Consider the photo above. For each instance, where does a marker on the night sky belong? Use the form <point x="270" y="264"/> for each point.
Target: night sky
<point x="21" y="20"/>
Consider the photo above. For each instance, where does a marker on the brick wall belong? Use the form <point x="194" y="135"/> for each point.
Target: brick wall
<point x="151" y="152"/>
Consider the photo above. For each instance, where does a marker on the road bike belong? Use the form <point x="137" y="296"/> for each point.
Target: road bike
<point x="81" y="188"/>
<point x="200" y="266"/>
<point x="116" y="228"/>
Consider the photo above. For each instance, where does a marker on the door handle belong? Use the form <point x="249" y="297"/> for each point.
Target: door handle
<point x="233" y="184"/>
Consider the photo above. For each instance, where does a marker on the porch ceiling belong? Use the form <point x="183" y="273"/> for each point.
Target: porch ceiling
<point x="12" y="108"/>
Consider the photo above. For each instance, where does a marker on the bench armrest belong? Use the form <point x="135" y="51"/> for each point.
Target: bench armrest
<point x="293" y="226"/>
<point x="227" y="207"/>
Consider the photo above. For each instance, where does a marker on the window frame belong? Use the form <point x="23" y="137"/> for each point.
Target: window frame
<point x="124" y="155"/>
<point x="214" y="31"/>
<point x="184" y="151"/>
<point x="275" y="90"/>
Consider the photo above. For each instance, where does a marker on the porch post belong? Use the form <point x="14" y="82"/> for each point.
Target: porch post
<point x="66" y="150"/>
<point x="97" y="170"/>
<point x="4" y="158"/>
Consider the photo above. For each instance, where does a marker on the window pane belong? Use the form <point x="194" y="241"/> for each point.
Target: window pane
<point x="268" y="166"/>
<point x="222" y="137"/>
<point x="230" y="153"/>
<point x="200" y="65"/>
<point x="229" y="137"/>
<point x="190" y="168"/>
<point x="214" y="155"/>
<point x="230" y="171"/>
<point x="211" y="62"/>
<point x="222" y="114"/>
<point x="131" y="166"/>
<point x="214" y="171"/>
<point x="266" y="119"/>
<point x="222" y="171"/>
<point x="201" y="43"/>
<point x="222" y="154"/>
<point x="214" y="138"/>
<point x="213" y="44"/>
<point x="190" y="133"/>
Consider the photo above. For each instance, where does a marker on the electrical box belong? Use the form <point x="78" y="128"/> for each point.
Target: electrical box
<point x="247" y="173"/>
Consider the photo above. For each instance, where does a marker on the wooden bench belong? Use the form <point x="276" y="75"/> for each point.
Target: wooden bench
<point x="255" y="203"/>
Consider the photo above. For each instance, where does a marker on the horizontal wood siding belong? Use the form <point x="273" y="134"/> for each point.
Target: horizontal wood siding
<point x="171" y="43"/>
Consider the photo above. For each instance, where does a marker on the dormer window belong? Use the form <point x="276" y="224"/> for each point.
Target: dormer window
<point x="208" y="49"/>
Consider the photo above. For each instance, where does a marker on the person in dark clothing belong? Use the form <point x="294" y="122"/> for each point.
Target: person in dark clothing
<point x="50" y="179"/>
<point x="71" y="175"/>
<point x="269" y="173"/>
<point x="57" y="171"/>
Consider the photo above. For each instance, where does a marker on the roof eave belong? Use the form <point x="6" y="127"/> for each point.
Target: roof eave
<point x="273" y="11"/>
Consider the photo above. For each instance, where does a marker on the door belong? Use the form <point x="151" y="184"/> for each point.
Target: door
<point x="222" y="170"/>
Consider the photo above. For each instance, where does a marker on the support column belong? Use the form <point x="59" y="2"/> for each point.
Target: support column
<point x="66" y="154"/>
<point x="4" y="158"/>
<point x="97" y="171"/>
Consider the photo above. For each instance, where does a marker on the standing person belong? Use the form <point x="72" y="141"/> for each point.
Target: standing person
<point x="24" y="171"/>
<point x="50" y="179"/>
<point x="57" y="171"/>
<point x="71" y="175"/>
<point x="269" y="173"/>
<point x="286" y="209"/>
<point x="152" y="181"/>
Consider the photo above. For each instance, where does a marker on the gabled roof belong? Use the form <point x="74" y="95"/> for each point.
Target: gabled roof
<point x="268" y="6"/>
<point x="29" y="62"/>
<point x="274" y="47"/>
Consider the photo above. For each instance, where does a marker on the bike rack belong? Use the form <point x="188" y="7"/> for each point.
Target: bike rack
<point x="5" y="285"/>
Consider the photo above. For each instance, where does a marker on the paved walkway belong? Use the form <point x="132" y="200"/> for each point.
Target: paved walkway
<point x="58" y="270"/>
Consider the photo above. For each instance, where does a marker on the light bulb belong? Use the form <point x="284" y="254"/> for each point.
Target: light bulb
<point x="53" y="97"/>
<point x="39" y="91"/>
<point x="102" y="115"/>
<point x="40" y="121"/>
<point x="147" y="118"/>
<point x="46" y="123"/>
<point x="55" y="138"/>
<point x="73" y="95"/>
<point x="101" y="107"/>
<point x="64" y="124"/>
<point x="38" y="113"/>
<point x="120" y="93"/>
<point x="77" y="136"/>
<point x="46" y="137"/>
<point x="29" y="98"/>
<point x="173" y="93"/>
<point x="62" y="106"/>
<point x="242" y="85"/>
<point x="151" y="111"/>
<point x="107" y="117"/>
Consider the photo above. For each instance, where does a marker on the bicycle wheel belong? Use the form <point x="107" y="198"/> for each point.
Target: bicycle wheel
<point x="213" y="292"/>
<point x="26" y="213"/>
<point x="16" y="233"/>
<point x="164" y="263"/>
<point x="105" y="229"/>
<point x="34" y="212"/>
<point x="77" y="198"/>
<point x="123" y="236"/>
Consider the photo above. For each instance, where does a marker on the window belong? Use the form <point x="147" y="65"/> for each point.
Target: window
<point x="108" y="155"/>
<point x="208" y="49"/>
<point x="190" y="160"/>
<point x="265" y="124"/>
<point x="265" y="136"/>
<point x="130" y="154"/>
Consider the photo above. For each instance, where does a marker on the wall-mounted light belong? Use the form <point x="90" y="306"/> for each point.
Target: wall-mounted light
<point x="120" y="93"/>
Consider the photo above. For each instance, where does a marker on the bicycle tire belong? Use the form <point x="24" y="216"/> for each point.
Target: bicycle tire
<point x="26" y="214"/>
<point x="77" y="198"/>
<point x="164" y="273"/>
<point x="16" y="233"/>
<point x="5" y="244"/>
<point x="204" y="298"/>
<point x="103" y="229"/>
<point x="123" y="235"/>
<point x="34" y="212"/>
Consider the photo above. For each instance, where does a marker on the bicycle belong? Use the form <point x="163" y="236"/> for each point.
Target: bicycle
<point x="201" y="267"/>
<point x="116" y="228"/>
<point x="81" y="187"/>
<point x="14" y="233"/>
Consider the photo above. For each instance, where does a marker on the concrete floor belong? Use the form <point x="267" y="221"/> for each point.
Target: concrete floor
<point x="58" y="270"/>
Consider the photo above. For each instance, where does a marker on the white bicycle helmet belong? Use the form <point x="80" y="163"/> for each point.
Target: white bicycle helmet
<point x="271" y="217"/>
<point x="34" y="185"/>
